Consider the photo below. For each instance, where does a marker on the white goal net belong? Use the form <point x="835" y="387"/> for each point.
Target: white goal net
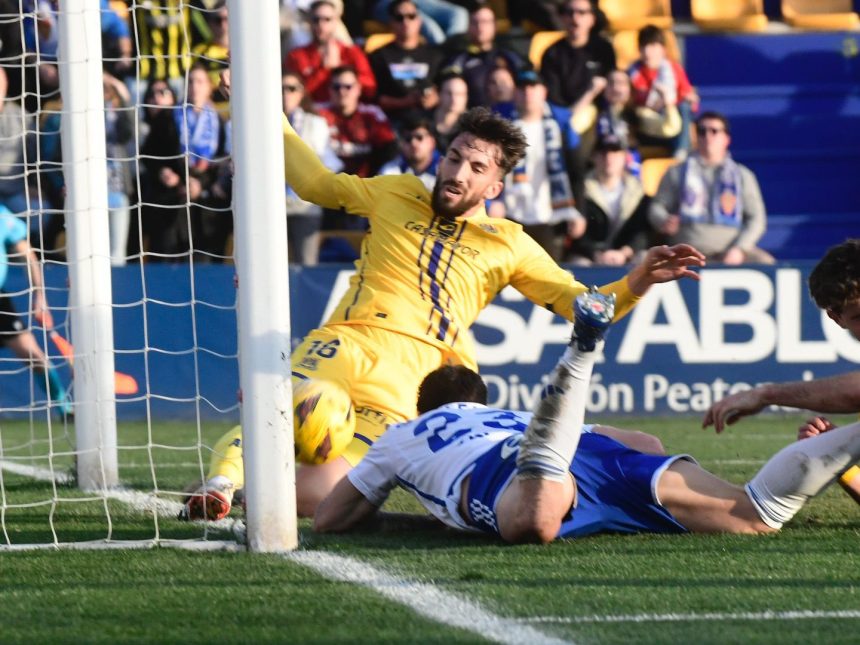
<point x="119" y="359"/>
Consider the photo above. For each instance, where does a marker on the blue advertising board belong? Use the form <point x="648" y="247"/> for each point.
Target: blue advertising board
<point x="685" y="345"/>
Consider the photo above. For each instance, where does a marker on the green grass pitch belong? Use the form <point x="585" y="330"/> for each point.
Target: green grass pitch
<point x="605" y="589"/>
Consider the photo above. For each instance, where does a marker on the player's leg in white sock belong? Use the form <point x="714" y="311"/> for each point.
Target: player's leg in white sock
<point x="801" y="471"/>
<point x="550" y="441"/>
<point x="533" y="505"/>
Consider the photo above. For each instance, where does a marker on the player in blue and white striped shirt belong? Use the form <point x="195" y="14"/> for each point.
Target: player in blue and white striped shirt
<point x="535" y="477"/>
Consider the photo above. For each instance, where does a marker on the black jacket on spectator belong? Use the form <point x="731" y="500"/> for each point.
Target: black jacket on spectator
<point x="568" y="70"/>
<point x="635" y="231"/>
<point x="400" y="72"/>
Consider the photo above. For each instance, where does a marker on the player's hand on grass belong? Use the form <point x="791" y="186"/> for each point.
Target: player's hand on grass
<point x="732" y="408"/>
<point x="813" y="427"/>
<point x="665" y="264"/>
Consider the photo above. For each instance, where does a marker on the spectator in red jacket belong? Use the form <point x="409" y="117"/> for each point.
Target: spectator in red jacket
<point x="361" y="134"/>
<point x="664" y="99"/>
<point x="315" y="61"/>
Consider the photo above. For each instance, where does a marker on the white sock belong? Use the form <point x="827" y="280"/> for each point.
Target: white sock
<point x="550" y="441"/>
<point x="801" y="471"/>
<point x="220" y="483"/>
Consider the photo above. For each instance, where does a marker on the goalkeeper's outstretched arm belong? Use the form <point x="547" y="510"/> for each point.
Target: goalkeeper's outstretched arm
<point x="305" y="172"/>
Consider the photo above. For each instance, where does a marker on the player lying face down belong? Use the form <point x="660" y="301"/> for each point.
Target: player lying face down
<point x="535" y="477"/>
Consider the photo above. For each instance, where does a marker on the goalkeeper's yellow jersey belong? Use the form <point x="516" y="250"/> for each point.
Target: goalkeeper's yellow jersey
<point x="426" y="276"/>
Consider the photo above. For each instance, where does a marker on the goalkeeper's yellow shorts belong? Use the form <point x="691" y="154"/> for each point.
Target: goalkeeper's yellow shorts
<point x="381" y="370"/>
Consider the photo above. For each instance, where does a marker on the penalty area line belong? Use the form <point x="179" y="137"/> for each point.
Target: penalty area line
<point x="850" y="614"/>
<point x="424" y="599"/>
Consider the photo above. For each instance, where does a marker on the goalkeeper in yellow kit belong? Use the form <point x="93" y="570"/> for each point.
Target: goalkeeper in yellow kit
<point x="429" y="263"/>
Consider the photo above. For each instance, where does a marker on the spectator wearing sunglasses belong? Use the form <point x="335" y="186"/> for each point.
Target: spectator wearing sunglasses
<point x="576" y="67"/>
<point x="363" y="139"/>
<point x="418" y="153"/>
<point x="712" y="201"/>
<point x="575" y="70"/>
<point x="440" y="19"/>
<point x="406" y="67"/>
<point x="361" y="134"/>
<point x="315" y="61"/>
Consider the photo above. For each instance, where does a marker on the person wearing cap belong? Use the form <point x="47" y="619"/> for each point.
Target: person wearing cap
<point x="539" y="192"/>
<point x="418" y="153"/>
<point x="711" y="201"/>
<point x="616" y="209"/>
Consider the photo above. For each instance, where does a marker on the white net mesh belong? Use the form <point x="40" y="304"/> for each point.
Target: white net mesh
<point x="169" y="194"/>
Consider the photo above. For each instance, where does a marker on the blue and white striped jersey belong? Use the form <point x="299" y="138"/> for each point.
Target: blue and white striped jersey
<point x="429" y="456"/>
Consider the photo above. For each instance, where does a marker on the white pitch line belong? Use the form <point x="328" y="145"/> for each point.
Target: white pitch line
<point x="425" y="599"/>
<point x="684" y="618"/>
<point x="35" y="472"/>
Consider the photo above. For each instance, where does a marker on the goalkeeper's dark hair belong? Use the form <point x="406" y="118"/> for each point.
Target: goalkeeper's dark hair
<point x="489" y="126"/>
<point x="450" y="384"/>
<point x="835" y="280"/>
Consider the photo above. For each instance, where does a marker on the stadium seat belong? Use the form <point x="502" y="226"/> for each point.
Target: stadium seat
<point x="635" y="14"/>
<point x="540" y="43"/>
<point x="377" y="41"/>
<point x="652" y="172"/>
<point x="729" y="15"/>
<point x="626" y="45"/>
<point x="824" y="15"/>
<point x="370" y="27"/>
<point x="500" y="9"/>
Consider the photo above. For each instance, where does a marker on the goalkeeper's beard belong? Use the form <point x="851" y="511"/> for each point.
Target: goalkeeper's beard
<point x="448" y="212"/>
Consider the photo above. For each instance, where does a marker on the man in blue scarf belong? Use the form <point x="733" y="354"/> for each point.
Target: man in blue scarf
<point x="711" y="201"/>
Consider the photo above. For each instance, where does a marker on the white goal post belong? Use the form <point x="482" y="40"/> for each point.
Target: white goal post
<point x="85" y="171"/>
<point x="261" y="255"/>
<point x="87" y="481"/>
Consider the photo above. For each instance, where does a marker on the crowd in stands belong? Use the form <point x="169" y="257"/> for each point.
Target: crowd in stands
<point x="377" y="87"/>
